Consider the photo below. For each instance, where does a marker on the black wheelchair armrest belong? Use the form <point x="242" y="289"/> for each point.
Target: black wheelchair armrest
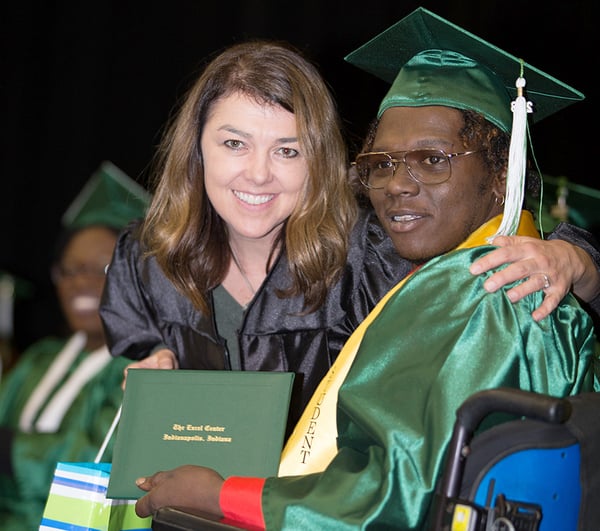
<point x="176" y="519"/>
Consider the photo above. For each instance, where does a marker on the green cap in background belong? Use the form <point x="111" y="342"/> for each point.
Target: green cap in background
<point x="567" y="201"/>
<point x="18" y="287"/>
<point x="431" y="61"/>
<point x="110" y="198"/>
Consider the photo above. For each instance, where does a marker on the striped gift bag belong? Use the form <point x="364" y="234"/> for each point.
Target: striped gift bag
<point x="77" y="499"/>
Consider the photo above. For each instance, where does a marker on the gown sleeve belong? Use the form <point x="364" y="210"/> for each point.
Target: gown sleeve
<point x="589" y="243"/>
<point x="438" y="340"/>
<point x="130" y="321"/>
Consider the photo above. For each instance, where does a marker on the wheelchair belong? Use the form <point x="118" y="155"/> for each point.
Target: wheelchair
<point x="540" y="471"/>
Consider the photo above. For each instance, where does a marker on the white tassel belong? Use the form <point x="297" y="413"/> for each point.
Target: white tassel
<point x="517" y="158"/>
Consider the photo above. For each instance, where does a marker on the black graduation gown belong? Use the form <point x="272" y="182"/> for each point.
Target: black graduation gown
<point x="141" y="309"/>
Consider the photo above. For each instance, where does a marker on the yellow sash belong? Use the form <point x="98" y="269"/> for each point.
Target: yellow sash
<point x="312" y="444"/>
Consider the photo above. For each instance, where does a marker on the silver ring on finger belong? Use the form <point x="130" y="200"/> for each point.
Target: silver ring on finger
<point x="547" y="283"/>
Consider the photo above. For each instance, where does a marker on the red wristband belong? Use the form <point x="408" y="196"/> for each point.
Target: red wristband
<point x="240" y="501"/>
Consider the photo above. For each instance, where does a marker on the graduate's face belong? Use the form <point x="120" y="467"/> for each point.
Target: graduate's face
<point x="254" y="170"/>
<point x="79" y="279"/>
<point x="426" y="220"/>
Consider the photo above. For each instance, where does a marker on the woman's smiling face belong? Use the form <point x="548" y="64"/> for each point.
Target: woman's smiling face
<point x="80" y="276"/>
<point x="254" y="170"/>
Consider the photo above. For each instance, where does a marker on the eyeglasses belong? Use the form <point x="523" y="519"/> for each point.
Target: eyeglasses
<point x="427" y="166"/>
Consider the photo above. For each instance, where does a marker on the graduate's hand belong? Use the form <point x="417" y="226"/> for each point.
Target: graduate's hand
<point x="161" y="359"/>
<point x="188" y="487"/>
<point x="554" y="266"/>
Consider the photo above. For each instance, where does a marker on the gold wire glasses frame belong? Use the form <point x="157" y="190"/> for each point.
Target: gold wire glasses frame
<point x="427" y="166"/>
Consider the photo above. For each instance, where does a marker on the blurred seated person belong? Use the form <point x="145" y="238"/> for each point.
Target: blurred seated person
<point x="59" y="400"/>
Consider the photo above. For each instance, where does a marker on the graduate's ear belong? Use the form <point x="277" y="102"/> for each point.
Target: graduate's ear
<point x="499" y="186"/>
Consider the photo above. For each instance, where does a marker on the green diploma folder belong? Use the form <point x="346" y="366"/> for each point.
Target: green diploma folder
<point x="232" y="421"/>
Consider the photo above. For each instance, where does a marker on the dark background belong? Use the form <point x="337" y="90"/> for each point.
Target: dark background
<point x="83" y="82"/>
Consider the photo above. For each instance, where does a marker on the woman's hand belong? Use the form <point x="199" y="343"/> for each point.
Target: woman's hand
<point x="161" y="359"/>
<point x="189" y="487"/>
<point x="554" y="266"/>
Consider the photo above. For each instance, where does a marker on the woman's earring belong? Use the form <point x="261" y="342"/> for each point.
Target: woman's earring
<point x="500" y="200"/>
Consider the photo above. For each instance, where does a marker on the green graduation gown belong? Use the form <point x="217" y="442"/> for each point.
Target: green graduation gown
<point x="78" y="436"/>
<point x="455" y="339"/>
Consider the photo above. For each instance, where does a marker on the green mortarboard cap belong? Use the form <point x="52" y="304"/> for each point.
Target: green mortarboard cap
<point x="109" y="198"/>
<point x="431" y="61"/>
<point x="568" y="201"/>
<point x="19" y="287"/>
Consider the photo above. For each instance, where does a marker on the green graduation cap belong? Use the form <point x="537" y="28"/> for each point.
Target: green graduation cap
<point x="14" y="286"/>
<point x="431" y="61"/>
<point x="110" y="198"/>
<point x="564" y="200"/>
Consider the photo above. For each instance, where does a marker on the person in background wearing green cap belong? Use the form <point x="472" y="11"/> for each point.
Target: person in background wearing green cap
<point x="435" y="168"/>
<point x="253" y="255"/>
<point x="59" y="400"/>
